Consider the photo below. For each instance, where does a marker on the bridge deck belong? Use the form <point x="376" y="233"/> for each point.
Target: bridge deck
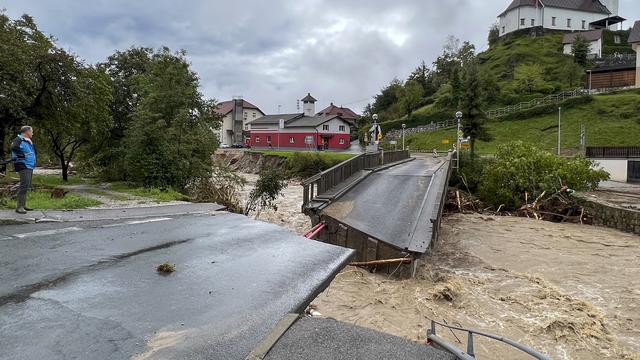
<point x="396" y="205"/>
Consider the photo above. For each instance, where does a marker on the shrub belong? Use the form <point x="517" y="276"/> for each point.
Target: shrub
<point x="521" y="168"/>
<point x="302" y="164"/>
<point x="263" y="196"/>
<point x="472" y="169"/>
<point x="223" y="187"/>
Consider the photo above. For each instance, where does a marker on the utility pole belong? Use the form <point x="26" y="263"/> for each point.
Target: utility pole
<point x="404" y="126"/>
<point x="458" y="136"/>
<point x="559" y="118"/>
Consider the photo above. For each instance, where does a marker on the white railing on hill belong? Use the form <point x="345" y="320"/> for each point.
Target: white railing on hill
<point x="397" y="134"/>
<point x="551" y="99"/>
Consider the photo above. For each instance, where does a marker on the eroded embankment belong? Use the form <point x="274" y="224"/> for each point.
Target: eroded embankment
<point x="572" y="291"/>
<point x="249" y="162"/>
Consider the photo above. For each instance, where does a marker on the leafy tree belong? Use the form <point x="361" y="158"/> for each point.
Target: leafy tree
<point x="529" y="77"/>
<point x="573" y="73"/>
<point x="521" y="168"/>
<point x="410" y="96"/>
<point x="268" y="187"/>
<point x="78" y="112"/>
<point x="170" y="139"/>
<point x="24" y="80"/>
<point x="471" y="105"/>
<point x="423" y="75"/>
<point x="456" y="87"/>
<point x="494" y="35"/>
<point x="580" y="50"/>
<point x="387" y="98"/>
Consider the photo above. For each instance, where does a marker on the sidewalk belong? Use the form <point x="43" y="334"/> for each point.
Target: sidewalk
<point x="8" y="217"/>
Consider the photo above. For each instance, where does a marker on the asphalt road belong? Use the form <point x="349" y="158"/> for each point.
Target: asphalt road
<point x="89" y="290"/>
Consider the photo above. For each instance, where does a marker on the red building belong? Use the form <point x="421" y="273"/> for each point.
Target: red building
<point x="305" y="131"/>
<point x="341" y="111"/>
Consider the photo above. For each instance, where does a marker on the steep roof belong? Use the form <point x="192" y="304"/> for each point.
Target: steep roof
<point x="592" y="35"/>
<point x="309" y="98"/>
<point x="294" y="120"/>
<point x="634" y="37"/>
<point x="344" y="112"/>
<point x="226" y="107"/>
<point x="275" y="119"/>
<point x="594" y="6"/>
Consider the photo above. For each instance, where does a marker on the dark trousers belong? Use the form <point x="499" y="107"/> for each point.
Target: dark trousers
<point x="25" y="184"/>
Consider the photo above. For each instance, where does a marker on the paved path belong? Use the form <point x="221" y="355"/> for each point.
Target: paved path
<point x="89" y="289"/>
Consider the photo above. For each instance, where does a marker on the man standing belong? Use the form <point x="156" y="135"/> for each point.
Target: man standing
<point x="23" y="155"/>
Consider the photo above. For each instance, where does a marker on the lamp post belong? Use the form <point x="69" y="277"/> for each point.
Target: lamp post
<point x="459" y="117"/>
<point x="559" y="118"/>
<point x="404" y="126"/>
<point x="590" y="72"/>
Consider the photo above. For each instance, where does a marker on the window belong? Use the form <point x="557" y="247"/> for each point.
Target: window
<point x="617" y="39"/>
<point x="533" y="22"/>
<point x="568" y="23"/>
<point x="503" y="29"/>
<point x="268" y="139"/>
<point x="257" y="139"/>
<point x="522" y="21"/>
<point x="292" y="140"/>
<point x="325" y="127"/>
<point x="341" y="141"/>
<point x="308" y="140"/>
<point x="341" y="128"/>
<point x="584" y="24"/>
<point x="254" y="115"/>
<point x="553" y="21"/>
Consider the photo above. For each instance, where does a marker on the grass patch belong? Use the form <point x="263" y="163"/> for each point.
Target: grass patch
<point x="42" y="200"/>
<point x="610" y="120"/>
<point x="117" y="197"/>
<point x="159" y="195"/>
<point x="56" y="180"/>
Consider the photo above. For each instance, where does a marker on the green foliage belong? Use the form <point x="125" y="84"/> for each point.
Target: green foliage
<point x="166" y="268"/>
<point x="410" y="95"/>
<point x="522" y="168"/>
<point x="529" y="78"/>
<point x="157" y="194"/>
<point x="471" y="172"/>
<point x="170" y="140"/>
<point x="580" y="50"/>
<point x="471" y="104"/>
<point x="267" y="190"/>
<point x="609" y="45"/>
<point x="305" y="164"/>
<point x="42" y="200"/>
<point x="494" y="35"/>
<point x="547" y="109"/>
<point x="222" y="187"/>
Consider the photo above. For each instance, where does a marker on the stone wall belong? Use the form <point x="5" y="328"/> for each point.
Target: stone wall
<point x="610" y="215"/>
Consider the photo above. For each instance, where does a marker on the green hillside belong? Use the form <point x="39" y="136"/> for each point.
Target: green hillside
<point x="612" y="120"/>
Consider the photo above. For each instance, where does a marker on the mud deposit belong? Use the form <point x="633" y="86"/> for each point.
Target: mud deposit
<point x="571" y="291"/>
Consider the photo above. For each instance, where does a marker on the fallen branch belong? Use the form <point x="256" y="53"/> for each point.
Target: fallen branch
<point x="382" y="262"/>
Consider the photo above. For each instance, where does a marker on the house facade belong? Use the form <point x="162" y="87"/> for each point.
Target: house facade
<point x="344" y="112"/>
<point x="594" y="37"/>
<point x="236" y="114"/>
<point x="566" y="15"/>
<point x="300" y="131"/>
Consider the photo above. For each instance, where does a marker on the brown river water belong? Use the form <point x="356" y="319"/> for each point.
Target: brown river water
<point x="571" y="291"/>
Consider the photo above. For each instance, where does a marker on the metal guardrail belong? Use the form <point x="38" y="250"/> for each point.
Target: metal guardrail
<point x="613" y="152"/>
<point x="328" y="179"/>
<point x="470" y="353"/>
<point x="551" y="99"/>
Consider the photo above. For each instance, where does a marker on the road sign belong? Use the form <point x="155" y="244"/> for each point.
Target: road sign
<point x="445" y="141"/>
<point x="393" y="142"/>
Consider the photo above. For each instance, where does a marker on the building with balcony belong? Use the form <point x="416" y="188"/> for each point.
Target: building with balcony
<point x="236" y="114"/>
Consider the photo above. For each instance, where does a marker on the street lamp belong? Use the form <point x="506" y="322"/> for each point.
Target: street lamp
<point x="458" y="135"/>
<point x="404" y="126"/>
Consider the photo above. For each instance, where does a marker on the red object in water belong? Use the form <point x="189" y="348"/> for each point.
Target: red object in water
<point x="315" y="230"/>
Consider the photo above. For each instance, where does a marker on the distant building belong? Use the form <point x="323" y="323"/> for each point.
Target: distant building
<point x="301" y="131"/>
<point x="594" y="37"/>
<point x="236" y="114"/>
<point x="566" y="15"/>
<point x="345" y="113"/>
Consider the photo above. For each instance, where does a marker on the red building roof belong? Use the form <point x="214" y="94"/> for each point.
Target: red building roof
<point x="226" y="107"/>
<point x="343" y="112"/>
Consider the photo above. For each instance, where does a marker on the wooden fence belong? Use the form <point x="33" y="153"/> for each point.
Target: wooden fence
<point x="551" y="99"/>
<point x="613" y="152"/>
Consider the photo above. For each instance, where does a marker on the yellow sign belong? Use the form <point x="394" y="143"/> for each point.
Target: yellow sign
<point x="445" y="141"/>
<point x="464" y="146"/>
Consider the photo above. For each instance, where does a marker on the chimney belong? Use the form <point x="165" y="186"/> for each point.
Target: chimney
<point x="309" y="105"/>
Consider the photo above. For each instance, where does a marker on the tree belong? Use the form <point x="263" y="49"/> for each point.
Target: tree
<point x="170" y="140"/>
<point x="494" y="35"/>
<point x="573" y="73"/>
<point x="529" y="77"/>
<point x="263" y="196"/>
<point x="410" y="96"/>
<point x="471" y="105"/>
<point x="580" y="50"/>
<point x="78" y="112"/>
<point x="456" y="87"/>
<point x="422" y="74"/>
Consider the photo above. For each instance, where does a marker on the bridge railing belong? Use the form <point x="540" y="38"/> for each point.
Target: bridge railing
<point x="470" y="353"/>
<point x="328" y="179"/>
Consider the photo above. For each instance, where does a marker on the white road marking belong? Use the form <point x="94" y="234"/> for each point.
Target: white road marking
<point x="48" y="232"/>
<point x="146" y="221"/>
<point x="5" y="238"/>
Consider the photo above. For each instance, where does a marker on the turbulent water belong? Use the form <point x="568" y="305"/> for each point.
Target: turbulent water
<point x="571" y="291"/>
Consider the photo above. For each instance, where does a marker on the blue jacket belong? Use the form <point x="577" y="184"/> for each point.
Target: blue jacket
<point x="23" y="154"/>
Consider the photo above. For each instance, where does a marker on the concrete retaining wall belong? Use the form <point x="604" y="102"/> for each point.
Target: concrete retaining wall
<point x="609" y="215"/>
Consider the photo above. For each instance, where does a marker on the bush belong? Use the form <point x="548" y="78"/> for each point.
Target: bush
<point x="223" y="187"/>
<point x="522" y="168"/>
<point x="268" y="187"/>
<point x="471" y="172"/>
<point x="302" y="164"/>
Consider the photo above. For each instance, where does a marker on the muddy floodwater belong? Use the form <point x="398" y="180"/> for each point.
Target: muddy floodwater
<point x="571" y="291"/>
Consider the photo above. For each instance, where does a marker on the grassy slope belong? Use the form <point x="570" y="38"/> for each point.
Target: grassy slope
<point x="42" y="200"/>
<point x="331" y="156"/>
<point x="609" y="119"/>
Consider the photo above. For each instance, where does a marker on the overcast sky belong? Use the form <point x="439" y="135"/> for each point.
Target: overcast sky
<point x="273" y="52"/>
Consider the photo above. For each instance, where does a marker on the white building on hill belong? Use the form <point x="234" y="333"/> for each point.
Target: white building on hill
<point x="566" y="15"/>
